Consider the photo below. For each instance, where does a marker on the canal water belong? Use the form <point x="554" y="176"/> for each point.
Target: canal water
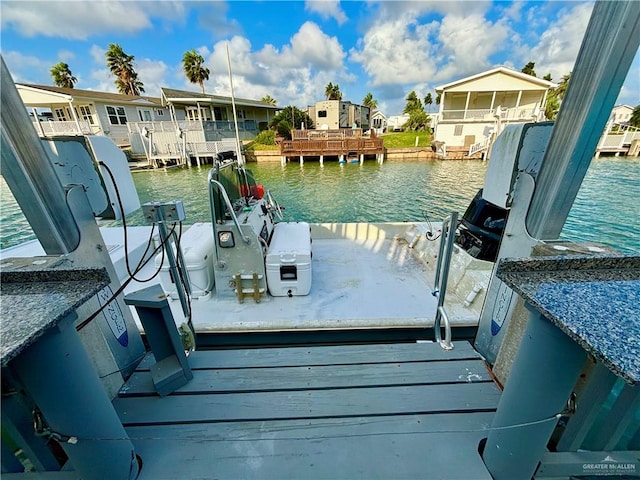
<point x="607" y="209"/>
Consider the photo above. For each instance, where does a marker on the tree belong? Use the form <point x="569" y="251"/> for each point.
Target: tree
<point x="552" y="106"/>
<point x="438" y="98"/>
<point x="332" y="92"/>
<point x="413" y="103"/>
<point x="561" y="90"/>
<point x="528" y="69"/>
<point x="369" y="101"/>
<point x="270" y="100"/>
<point x="121" y="66"/>
<point x="634" y="121"/>
<point x="428" y="100"/>
<point x="62" y="76"/>
<point x="547" y="77"/>
<point x="193" y="69"/>
<point x="290" y="118"/>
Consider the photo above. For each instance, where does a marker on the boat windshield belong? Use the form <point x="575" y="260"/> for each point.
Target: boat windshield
<point x="239" y="184"/>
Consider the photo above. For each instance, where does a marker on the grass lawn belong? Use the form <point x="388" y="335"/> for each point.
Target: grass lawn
<point x="406" y="139"/>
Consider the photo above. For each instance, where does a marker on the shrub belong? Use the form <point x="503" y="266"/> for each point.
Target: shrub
<point x="266" y="137"/>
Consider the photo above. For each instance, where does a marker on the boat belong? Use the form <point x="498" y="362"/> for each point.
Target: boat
<point x="250" y="347"/>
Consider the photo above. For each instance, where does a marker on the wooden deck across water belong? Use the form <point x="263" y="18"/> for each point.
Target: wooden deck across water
<point x="406" y="410"/>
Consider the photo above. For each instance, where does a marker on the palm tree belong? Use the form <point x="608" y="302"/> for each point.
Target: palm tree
<point x="121" y="66"/>
<point x="438" y="98"/>
<point x="528" y="69"/>
<point x="413" y="104"/>
<point x="193" y="69"/>
<point x="428" y="100"/>
<point x="270" y="100"/>
<point x="369" y="101"/>
<point x="62" y="76"/>
<point x="563" y="84"/>
<point x="332" y="92"/>
<point x="634" y="121"/>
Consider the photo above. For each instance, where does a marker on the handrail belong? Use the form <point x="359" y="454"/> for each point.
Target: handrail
<point x="211" y="181"/>
<point x="441" y="277"/>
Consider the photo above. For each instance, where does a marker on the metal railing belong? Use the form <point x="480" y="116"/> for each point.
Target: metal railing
<point x="447" y="237"/>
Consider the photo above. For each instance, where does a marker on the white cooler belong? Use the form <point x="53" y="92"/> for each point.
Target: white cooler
<point x="288" y="260"/>
<point x="197" y="250"/>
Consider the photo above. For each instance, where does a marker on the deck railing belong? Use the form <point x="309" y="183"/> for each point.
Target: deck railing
<point x="55" y="128"/>
<point x="489" y="114"/>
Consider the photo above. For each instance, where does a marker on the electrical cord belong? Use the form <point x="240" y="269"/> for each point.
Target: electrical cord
<point x="90" y="318"/>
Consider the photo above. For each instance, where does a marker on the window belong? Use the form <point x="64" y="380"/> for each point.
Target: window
<point x="159" y="113"/>
<point x="60" y="115"/>
<point x="117" y="115"/>
<point x="85" y="113"/>
<point x="145" y="115"/>
<point x="457" y="131"/>
<point x="322" y="114"/>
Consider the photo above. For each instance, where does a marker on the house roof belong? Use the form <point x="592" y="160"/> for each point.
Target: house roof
<point x="170" y="95"/>
<point x="508" y="71"/>
<point x="68" y="94"/>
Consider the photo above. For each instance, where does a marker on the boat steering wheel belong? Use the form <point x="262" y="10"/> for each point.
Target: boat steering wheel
<point x="274" y="206"/>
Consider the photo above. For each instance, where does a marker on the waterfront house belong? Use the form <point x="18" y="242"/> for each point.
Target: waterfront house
<point x="621" y="114"/>
<point x="84" y="112"/>
<point x="475" y="109"/>
<point x="395" y="122"/>
<point x="337" y="114"/>
<point x="379" y="122"/>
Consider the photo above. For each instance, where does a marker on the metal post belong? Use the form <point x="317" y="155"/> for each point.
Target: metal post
<point x="59" y="376"/>
<point x="32" y="180"/>
<point x="609" y="46"/>
<point x="542" y="378"/>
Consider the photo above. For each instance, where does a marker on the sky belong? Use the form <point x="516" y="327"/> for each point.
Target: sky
<point x="291" y="50"/>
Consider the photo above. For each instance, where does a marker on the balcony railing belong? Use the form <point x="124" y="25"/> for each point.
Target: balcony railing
<point x="488" y="114"/>
<point x="55" y="128"/>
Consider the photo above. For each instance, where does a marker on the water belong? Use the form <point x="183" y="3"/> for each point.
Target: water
<point x="606" y="210"/>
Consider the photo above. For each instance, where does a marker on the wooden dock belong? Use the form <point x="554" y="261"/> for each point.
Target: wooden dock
<point x="345" y="144"/>
<point x="405" y="410"/>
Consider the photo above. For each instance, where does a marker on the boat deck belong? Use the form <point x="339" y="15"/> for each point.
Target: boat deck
<point x="404" y="410"/>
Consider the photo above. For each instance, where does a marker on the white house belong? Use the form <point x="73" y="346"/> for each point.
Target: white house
<point x="337" y="114"/>
<point x="395" y="122"/>
<point x="75" y="111"/>
<point x="475" y="109"/>
<point x="621" y="114"/>
<point x="379" y="122"/>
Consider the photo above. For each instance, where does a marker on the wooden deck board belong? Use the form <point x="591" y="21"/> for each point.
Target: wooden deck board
<point x="325" y="355"/>
<point x="317" y="377"/>
<point x="354" y="411"/>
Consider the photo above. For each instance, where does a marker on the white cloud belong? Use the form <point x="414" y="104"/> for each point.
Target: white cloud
<point x="327" y="9"/>
<point x="463" y="51"/>
<point x="22" y="67"/>
<point x="558" y="46"/>
<point x="80" y="20"/>
<point x="153" y="75"/>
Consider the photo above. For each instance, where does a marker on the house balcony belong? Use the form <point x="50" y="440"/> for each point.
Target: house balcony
<point x="62" y="128"/>
<point x="489" y="114"/>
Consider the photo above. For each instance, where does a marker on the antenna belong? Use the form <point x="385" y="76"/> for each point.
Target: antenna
<point x="235" y="116"/>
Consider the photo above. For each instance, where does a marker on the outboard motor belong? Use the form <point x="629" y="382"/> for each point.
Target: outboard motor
<point x="481" y="229"/>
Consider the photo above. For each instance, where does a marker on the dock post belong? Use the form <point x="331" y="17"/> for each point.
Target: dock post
<point x="341" y="158"/>
<point x="283" y="160"/>
<point x="60" y="378"/>
<point x="362" y="159"/>
<point x="321" y="160"/>
<point x="542" y="378"/>
<point x="301" y="160"/>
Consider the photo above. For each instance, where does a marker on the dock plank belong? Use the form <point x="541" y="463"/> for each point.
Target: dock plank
<point x="307" y="404"/>
<point x="408" y="447"/>
<point x="325" y="355"/>
<point x="318" y="377"/>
